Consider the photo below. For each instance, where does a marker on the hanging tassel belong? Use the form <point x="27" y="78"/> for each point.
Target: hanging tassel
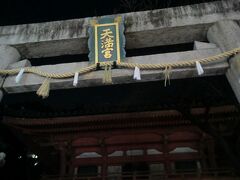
<point x="137" y="75"/>
<point x="199" y="68"/>
<point x="19" y="76"/>
<point x="167" y="72"/>
<point x="75" y="81"/>
<point x="44" y="89"/>
<point x="107" y="77"/>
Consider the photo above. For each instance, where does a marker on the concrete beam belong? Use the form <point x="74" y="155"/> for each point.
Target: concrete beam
<point x="203" y="45"/>
<point x="226" y="34"/>
<point x="31" y="82"/>
<point x="143" y="29"/>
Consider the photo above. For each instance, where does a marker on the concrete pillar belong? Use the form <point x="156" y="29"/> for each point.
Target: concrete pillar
<point x="1" y="95"/>
<point x="8" y="55"/>
<point x="226" y="34"/>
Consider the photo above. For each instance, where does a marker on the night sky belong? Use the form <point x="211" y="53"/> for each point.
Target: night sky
<point x="31" y="11"/>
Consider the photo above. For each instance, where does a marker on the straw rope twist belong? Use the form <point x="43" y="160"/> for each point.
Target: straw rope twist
<point x="162" y="66"/>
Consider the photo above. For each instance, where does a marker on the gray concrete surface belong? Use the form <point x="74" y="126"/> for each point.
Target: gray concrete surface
<point x="8" y="55"/>
<point x="1" y="95"/>
<point x="20" y="64"/>
<point x="203" y="45"/>
<point x="31" y="82"/>
<point x="226" y="34"/>
<point x="143" y="29"/>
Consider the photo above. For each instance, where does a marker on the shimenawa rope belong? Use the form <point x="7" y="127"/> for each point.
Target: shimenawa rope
<point x="161" y="66"/>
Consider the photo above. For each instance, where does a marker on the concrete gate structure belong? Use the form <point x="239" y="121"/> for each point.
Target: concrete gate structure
<point x="216" y="22"/>
<point x="213" y="27"/>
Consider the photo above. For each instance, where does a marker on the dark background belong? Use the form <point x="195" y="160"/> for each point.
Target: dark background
<point x="31" y="11"/>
